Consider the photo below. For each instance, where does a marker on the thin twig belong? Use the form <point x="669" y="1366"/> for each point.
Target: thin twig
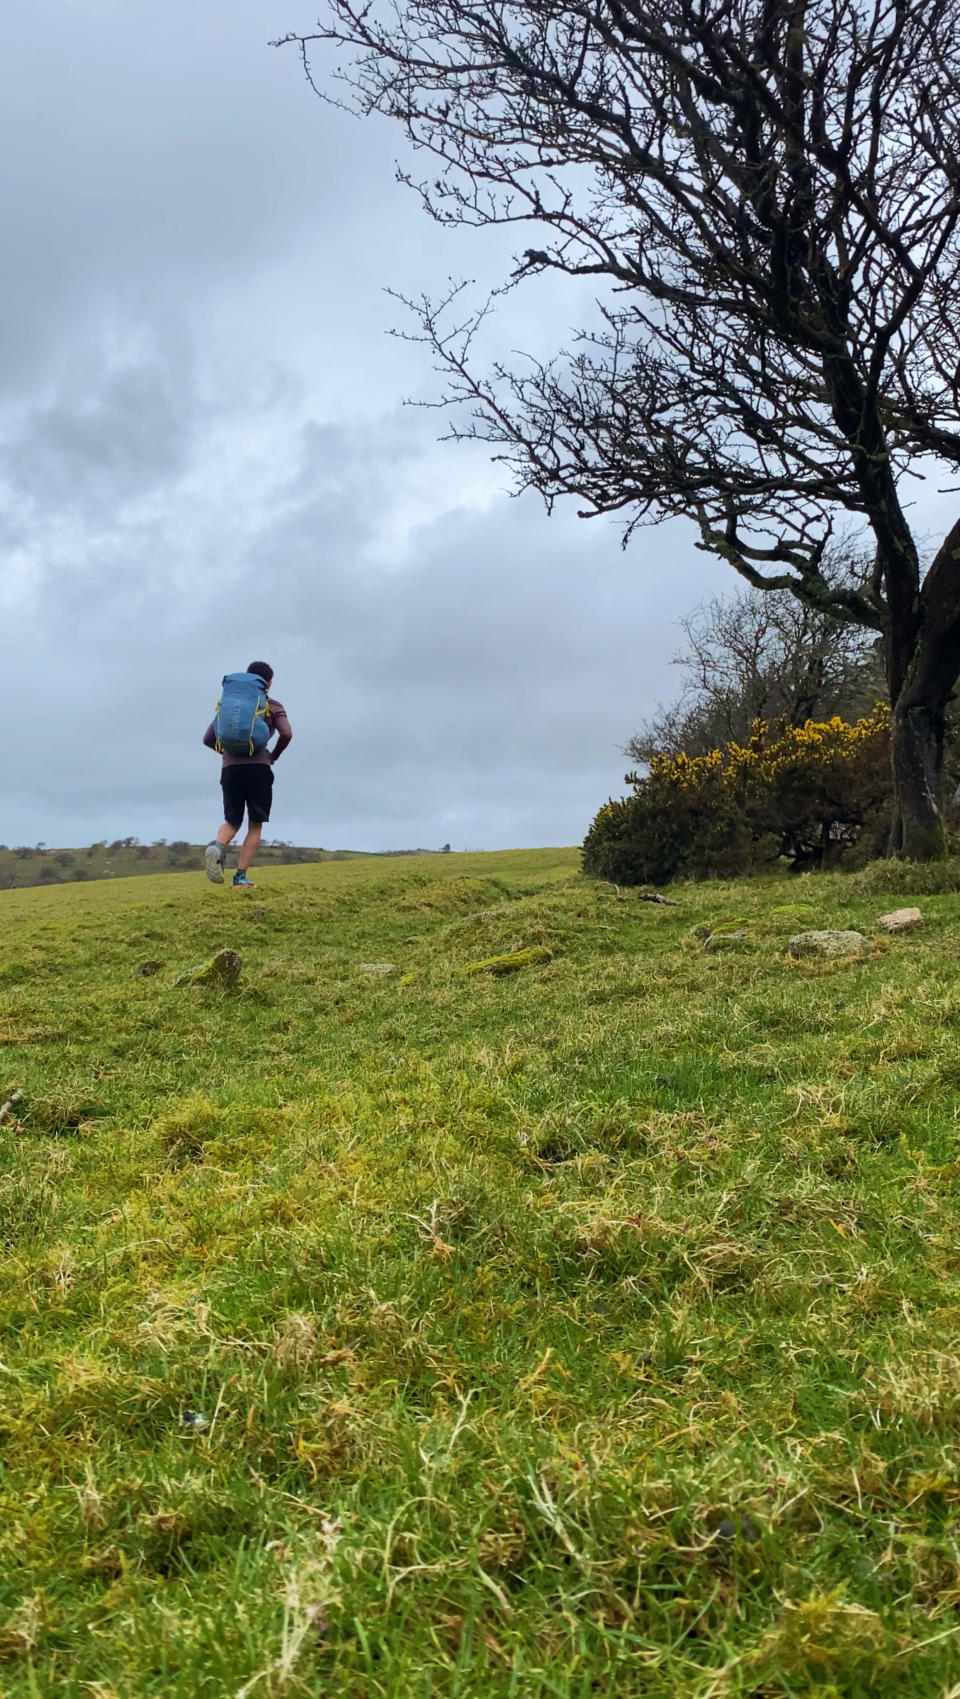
<point x="6" y="1109"/>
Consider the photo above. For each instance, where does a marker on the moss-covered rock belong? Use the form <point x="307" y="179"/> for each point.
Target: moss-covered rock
<point x="513" y="961"/>
<point x="828" y="943"/>
<point x="721" y="935"/>
<point x="726" y="938"/>
<point x="715" y="928"/>
<point x="221" y="971"/>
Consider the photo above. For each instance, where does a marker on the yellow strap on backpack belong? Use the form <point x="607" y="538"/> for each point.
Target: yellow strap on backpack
<point x="260" y="714"/>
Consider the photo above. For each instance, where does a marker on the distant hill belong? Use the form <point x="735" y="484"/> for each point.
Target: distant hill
<point x="35" y="864"/>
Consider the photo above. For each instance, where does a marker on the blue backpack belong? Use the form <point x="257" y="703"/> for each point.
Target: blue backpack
<point x="240" y="722"/>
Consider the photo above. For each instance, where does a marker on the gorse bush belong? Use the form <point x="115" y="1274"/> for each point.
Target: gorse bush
<point x="823" y="788"/>
<point x="813" y="793"/>
<point x="669" y="829"/>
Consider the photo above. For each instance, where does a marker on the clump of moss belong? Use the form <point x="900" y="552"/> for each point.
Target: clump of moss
<point x="790" y="912"/>
<point x="221" y="970"/>
<point x="59" y="1115"/>
<point x="513" y="961"/>
<point x="186" y="1130"/>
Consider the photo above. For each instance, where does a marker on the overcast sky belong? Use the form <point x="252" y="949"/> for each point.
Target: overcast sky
<point x="206" y="459"/>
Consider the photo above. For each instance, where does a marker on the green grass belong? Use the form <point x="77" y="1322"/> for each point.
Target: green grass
<point x="585" y="1331"/>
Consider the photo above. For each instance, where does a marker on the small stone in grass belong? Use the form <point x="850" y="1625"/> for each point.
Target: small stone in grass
<point x="380" y="969"/>
<point x="736" y="1528"/>
<point x="193" y="1420"/>
<point x="901" y="920"/>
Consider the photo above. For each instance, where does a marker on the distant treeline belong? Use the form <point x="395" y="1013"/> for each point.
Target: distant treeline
<point x="35" y="864"/>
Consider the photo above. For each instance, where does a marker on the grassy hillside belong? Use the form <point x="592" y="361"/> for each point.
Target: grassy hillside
<point x="591" y="1330"/>
<point x="126" y="858"/>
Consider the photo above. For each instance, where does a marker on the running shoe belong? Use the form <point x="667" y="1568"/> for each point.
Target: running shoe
<point x="213" y="857"/>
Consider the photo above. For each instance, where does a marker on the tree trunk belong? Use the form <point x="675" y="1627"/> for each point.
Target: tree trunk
<point x="918" y="831"/>
<point x="922" y="676"/>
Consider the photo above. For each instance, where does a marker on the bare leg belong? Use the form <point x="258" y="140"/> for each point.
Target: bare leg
<point x="249" y="847"/>
<point x="227" y="834"/>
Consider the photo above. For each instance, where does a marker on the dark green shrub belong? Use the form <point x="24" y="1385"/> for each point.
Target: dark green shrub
<point x="813" y="793"/>
<point x="650" y="838"/>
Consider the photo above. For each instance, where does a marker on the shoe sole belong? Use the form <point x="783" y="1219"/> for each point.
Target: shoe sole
<point x="214" y="866"/>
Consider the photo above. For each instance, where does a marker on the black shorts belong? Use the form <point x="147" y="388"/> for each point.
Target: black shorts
<point x="248" y="787"/>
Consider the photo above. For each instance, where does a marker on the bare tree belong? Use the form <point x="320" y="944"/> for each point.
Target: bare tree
<point x="767" y="192"/>
<point x="763" y="655"/>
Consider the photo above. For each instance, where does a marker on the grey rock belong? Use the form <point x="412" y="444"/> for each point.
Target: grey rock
<point x="901" y="920"/>
<point x="828" y="943"/>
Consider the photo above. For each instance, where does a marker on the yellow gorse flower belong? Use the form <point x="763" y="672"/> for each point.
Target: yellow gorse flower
<point x="825" y="743"/>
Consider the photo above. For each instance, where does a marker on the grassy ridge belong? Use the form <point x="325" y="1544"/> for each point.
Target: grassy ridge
<point x="126" y="858"/>
<point x="589" y="1330"/>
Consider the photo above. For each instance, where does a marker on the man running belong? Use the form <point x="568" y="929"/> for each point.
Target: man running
<point x="247" y="782"/>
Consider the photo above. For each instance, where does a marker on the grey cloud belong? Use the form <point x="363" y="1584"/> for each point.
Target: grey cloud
<point x="167" y="161"/>
<point x="480" y="691"/>
<point x="128" y="433"/>
<point x="202" y="455"/>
